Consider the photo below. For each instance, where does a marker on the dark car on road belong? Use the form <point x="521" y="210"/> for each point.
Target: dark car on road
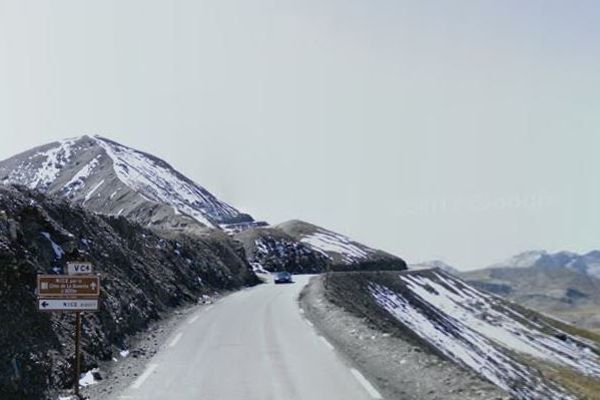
<point x="282" y="277"/>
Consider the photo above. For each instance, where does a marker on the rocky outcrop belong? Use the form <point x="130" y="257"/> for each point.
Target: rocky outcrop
<point x="272" y="250"/>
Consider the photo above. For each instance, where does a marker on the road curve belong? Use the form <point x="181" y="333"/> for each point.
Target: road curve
<point x="252" y="345"/>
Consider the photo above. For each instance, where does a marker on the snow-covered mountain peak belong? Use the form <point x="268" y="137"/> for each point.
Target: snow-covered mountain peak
<point x="114" y="179"/>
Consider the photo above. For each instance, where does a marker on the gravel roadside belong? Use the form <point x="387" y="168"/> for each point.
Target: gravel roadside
<point x="400" y="368"/>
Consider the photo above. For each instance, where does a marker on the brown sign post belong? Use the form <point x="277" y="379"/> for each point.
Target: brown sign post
<point x="75" y="293"/>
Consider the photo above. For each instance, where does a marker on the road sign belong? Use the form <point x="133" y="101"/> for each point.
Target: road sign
<point x="66" y="286"/>
<point x="68" y="304"/>
<point x="79" y="268"/>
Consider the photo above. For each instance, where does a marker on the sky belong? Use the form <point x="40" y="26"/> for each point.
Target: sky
<point x="466" y="131"/>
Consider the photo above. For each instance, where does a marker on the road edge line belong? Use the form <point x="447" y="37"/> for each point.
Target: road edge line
<point x="140" y="381"/>
<point x="366" y="384"/>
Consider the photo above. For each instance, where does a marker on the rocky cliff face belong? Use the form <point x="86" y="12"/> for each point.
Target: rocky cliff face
<point x="143" y="276"/>
<point x="113" y="179"/>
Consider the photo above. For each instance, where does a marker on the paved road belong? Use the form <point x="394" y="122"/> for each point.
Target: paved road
<point x="252" y="345"/>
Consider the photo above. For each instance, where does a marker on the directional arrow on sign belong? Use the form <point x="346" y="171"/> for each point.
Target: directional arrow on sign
<point x="68" y="304"/>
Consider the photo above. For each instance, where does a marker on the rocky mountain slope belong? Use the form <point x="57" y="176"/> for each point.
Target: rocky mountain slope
<point x="522" y="352"/>
<point x="342" y="252"/>
<point x="300" y="247"/>
<point x="143" y="277"/>
<point x="112" y="179"/>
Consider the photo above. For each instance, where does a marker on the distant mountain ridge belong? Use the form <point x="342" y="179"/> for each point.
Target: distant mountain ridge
<point x="588" y="263"/>
<point x="563" y="284"/>
<point x="113" y="179"/>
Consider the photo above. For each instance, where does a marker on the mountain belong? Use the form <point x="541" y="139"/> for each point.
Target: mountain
<point x="144" y="276"/>
<point x="342" y="252"/>
<point x="563" y="292"/>
<point x="525" y="353"/>
<point x="300" y="247"/>
<point x="565" y="285"/>
<point x="587" y="263"/>
<point x="271" y="249"/>
<point x="113" y="179"/>
<point x="434" y="264"/>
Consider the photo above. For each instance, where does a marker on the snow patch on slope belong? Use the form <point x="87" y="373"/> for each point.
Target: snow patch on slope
<point x="58" y="251"/>
<point x="331" y="242"/>
<point x="91" y="192"/>
<point x="77" y="182"/>
<point x="159" y="183"/>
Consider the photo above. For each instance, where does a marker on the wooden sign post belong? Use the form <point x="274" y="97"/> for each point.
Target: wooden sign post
<point x="77" y="292"/>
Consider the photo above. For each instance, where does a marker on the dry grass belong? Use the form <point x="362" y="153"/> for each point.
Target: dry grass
<point x="582" y="386"/>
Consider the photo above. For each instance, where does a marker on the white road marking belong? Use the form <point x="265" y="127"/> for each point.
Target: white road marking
<point x="329" y="345"/>
<point x="309" y="323"/>
<point x="366" y="384"/>
<point x="140" y="381"/>
<point x="193" y="319"/>
<point x="208" y="308"/>
<point x="175" y="339"/>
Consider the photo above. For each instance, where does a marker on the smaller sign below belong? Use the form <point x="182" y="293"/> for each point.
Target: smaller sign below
<point x="79" y="268"/>
<point x="67" y="305"/>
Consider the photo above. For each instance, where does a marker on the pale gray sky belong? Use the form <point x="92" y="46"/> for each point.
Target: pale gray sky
<point x="461" y="130"/>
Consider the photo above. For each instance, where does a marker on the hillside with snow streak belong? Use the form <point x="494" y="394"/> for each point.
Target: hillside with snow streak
<point x="522" y="352"/>
<point x="339" y="249"/>
<point x="113" y="179"/>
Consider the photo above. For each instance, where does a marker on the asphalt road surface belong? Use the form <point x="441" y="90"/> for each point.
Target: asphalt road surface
<point x="252" y="345"/>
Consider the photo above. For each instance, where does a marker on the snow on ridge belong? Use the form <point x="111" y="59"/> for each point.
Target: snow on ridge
<point x="329" y="242"/>
<point x="161" y="184"/>
<point x="480" y="332"/>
